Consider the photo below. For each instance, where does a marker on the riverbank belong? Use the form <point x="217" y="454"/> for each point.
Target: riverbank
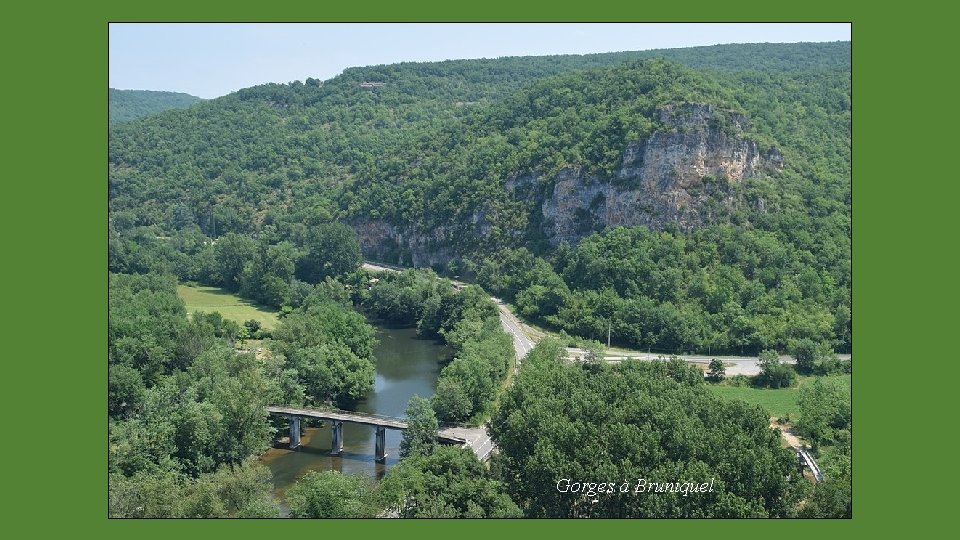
<point x="406" y="365"/>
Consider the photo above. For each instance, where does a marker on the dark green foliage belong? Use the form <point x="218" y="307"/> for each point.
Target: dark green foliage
<point x="832" y="365"/>
<point x="330" y="494"/>
<point x="414" y="297"/>
<point x="485" y="354"/>
<point x="451" y="400"/>
<point x="717" y="370"/>
<point x="128" y="105"/>
<point x="449" y="483"/>
<point x="252" y="326"/>
<point x="243" y="490"/>
<point x="331" y="349"/>
<point x="773" y="372"/>
<point x="825" y="411"/>
<point x="186" y="411"/>
<point x="195" y="420"/>
<point x="518" y="274"/>
<point x="231" y="253"/>
<point x="124" y="390"/>
<point x="832" y="498"/>
<point x="718" y="289"/>
<point x="433" y="151"/>
<point x="420" y="437"/>
<point x="149" y="330"/>
<point x="808" y="355"/>
<point x="253" y="191"/>
<point x="619" y="423"/>
<point x="267" y="276"/>
<point x="332" y="250"/>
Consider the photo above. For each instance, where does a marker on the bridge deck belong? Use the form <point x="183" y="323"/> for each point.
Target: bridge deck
<point x="811" y="464"/>
<point x="446" y="433"/>
<point x="343" y="416"/>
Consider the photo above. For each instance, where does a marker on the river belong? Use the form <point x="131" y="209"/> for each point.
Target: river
<point x="406" y="365"/>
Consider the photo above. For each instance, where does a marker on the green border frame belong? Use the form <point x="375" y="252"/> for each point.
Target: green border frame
<point x="55" y="233"/>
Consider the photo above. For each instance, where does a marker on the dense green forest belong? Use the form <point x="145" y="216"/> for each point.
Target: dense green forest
<point x="128" y="105"/>
<point x="430" y="154"/>
<point x="637" y="420"/>
<point x="278" y="192"/>
<point x="185" y="411"/>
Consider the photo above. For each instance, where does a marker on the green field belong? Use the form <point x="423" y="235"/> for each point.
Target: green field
<point x="231" y="306"/>
<point x="780" y="402"/>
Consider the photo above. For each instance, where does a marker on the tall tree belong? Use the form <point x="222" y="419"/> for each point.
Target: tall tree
<point x="420" y="437"/>
<point x="773" y="372"/>
<point x="807" y="353"/>
<point x="232" y="251"/>
<point x="332" y="250"/>
<point x="717" y="370"/>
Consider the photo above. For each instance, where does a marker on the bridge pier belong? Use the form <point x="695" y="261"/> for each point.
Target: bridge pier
<point x="381" y="423"/>
<point x="294" y="431"/>
<point x="336" y="433"/>
<point x="381" y="445"/>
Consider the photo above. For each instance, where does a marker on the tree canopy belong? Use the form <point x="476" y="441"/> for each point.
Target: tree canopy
<point x="637" y="420"/>
<point x="128" y="105"/>
<point x="276" y="192"/>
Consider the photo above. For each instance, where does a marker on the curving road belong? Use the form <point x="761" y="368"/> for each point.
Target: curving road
<point x="525" y="338"/>
<point x="522" y="342"/>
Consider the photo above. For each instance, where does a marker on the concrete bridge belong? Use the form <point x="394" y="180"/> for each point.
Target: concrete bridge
<point x="475" y="438"/>
<point x="805" y="459"/>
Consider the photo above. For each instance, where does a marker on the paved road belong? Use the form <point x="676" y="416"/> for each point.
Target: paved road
<point x="521" y="333"/>
<point x="379" y="268"/>
<point x="525" y="337"/>
<point x="522" y="342"/>
<point x="735" y="365"/>
<point x="476" y="439"/>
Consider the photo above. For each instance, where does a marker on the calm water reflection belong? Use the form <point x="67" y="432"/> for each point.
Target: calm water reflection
<point x="406" y="365"/>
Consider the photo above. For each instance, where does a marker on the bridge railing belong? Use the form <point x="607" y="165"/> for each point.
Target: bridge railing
<point x="340" y="411"/>
<point x="811" y="464"/>
<point x="371" y="416"/>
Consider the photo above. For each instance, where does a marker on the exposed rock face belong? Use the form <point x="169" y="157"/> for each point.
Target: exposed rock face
<point x="661" y="179"/>
<point x="668" y="178"/>
<point x="383" y="242"/>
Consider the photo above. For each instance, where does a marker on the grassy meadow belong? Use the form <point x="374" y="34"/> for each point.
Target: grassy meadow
<point x="780" y="402"/>
<point x="231" y="306"/>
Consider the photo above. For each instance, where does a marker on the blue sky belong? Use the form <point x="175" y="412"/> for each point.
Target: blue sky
<point x="210" y="60"/>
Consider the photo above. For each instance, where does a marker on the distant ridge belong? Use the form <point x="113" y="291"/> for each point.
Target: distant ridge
<point x="128" y="105"/>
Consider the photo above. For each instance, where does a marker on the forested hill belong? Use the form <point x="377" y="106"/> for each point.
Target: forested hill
<point x="132" y="104"/>
<point x="296" y="141"/>
<point x="728" y="166"/>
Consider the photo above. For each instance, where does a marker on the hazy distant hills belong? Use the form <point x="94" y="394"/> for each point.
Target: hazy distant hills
<point x="132" y="104"/>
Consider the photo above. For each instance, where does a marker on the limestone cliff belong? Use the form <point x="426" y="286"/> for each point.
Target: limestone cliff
<point x="663" y="179"/>
<point x="388" y="243"/>
<point x="676" y="176"/>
